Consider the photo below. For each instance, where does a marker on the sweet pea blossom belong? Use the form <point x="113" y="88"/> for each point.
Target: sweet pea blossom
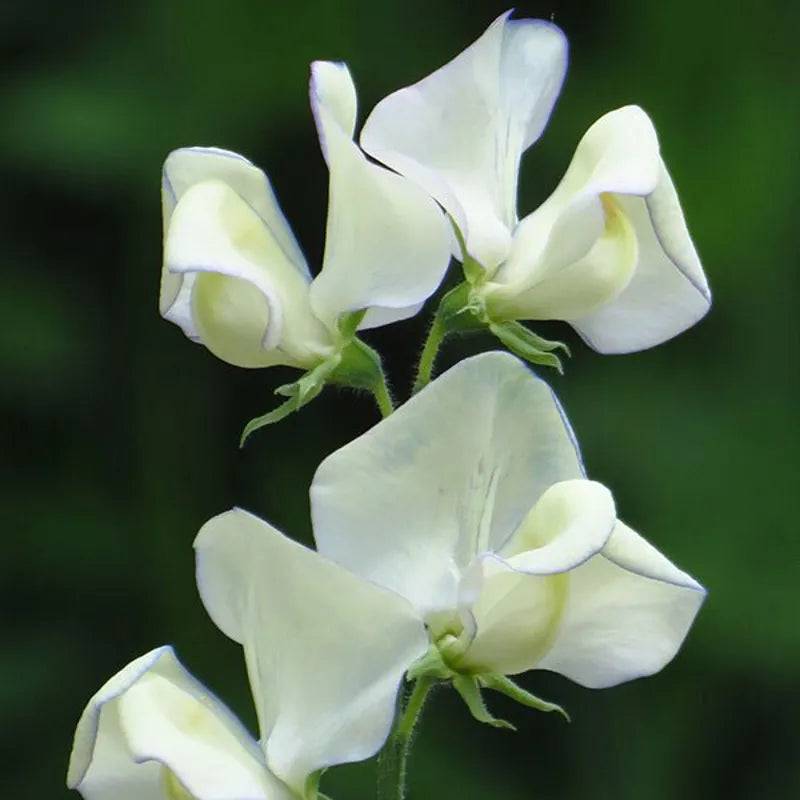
<point x="471" y="502"/>
<point x="153" y="732"/>
<point x="461" y="525"/>
<point x="234" y="277"/>
<point x="324" y="684"/>
<point x="609" y="251"/>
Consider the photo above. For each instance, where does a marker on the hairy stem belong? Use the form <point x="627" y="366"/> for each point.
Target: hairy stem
<point x="393" y="760"/>
<point x="434" y="341"/>
<point x="383" y="397"/>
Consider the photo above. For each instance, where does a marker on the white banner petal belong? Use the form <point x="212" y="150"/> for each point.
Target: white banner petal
<point x="387" y="243"/>
<point x="451" y="473"/>
<point x="153" y="729"/>
<point x="627" y="613"/>
<point x="460" y="132"/>
<point x="325" y="650"/>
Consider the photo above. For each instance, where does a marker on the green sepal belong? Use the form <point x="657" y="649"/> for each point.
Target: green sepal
<point x="461" y="310"/>
<point x="526" y="344"/>
<point x="469" y="689"/>
<point x="311" y="789"/>
<point x="359" y="366"/>
<point x="348" y="323"/>
<point x="300" y="393"/>
<point x="431" y="665"/>
<point x="473" y="271"/>
<point x="354" y="364"/>
<point x="500" y="683"/>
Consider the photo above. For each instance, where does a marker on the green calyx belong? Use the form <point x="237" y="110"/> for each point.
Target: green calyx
<point x="435" y="666"/>
<point x="354" y="364"/>
<point x="463" y="310"/>
<point x="527" y="345"/>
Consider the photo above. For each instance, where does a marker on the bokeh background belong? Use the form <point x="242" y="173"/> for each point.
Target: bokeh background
<point x="121" y="434"/>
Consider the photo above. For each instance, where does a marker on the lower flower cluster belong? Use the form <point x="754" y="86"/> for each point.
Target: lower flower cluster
<point x="458" y="541"/>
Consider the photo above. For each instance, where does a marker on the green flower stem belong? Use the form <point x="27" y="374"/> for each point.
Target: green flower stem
<point x="383" y="398"/>
<point x="393" y="760"/>
<point x="426" y="361"/>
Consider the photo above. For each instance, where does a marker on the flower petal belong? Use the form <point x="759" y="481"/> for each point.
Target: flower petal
<point x="378" y="317"/>
<point x="609" y="250"/>
<point x="249" y="302"/>
<point x="189" y="165"/>
<point x="461" y="131"/>
<point x="451" y="473"/>
<point x="520" y="594"/>
<point x="668" y="292"/>
<point x="570" y="522"/>
<point x="627" y="614"/>
<point x="325" y="649"/>
<point x="387" y="243"/>
<point x="515" y="617"/>
<point x="153" y="725"/>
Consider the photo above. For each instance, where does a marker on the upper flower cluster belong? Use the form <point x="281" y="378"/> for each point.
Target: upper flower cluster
<point x="234" y="277"/>
<point x="608" y="251"/>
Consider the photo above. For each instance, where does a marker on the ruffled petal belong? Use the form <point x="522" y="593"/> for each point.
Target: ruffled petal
<point x="519" y="594"/>
<point x="189" y="165"/>
<point x="325" y="650"/>
<point x="387" y="244"/>
<point x="249" y="302"/>
<point x="450" y="474"/>
<point x="627" y="613"/>
<point x="609" y="250"/>
<point x="668" y="292"/>
<point x="460" y="132"/>
<point x="154" y="733"/>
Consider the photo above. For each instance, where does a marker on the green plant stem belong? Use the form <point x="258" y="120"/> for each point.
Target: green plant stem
<point x="383" y="398"/>
<point x="429" y="351"/>
<point x="393" y="760"/>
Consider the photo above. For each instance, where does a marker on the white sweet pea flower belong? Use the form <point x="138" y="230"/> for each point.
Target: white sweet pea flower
<point x="325" y="652"/>
<point x="234" y="277"/>
<point x="609" y="251"/>
<point x="477" y="511"/>
<point x="153" y="732"/>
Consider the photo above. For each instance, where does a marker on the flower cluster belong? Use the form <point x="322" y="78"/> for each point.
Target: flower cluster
<point x="459" y="541"/>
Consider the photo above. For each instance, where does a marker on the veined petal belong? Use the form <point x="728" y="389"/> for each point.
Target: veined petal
<point x="189" y="165"/>
<point x="249" y="302"/>
<point x="461" y="131"/>
<point x="452" y="473"/>
<point x="627" y="614"/>
<point x="387" y="243"/>
<point x="519" y="595"/>
<point x="154" y="733"/>
<point x="609" y="250"/>
<point x="325" y="650"/>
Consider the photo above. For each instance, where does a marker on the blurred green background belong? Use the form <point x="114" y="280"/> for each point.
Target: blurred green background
<point x="121" y="434"/>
